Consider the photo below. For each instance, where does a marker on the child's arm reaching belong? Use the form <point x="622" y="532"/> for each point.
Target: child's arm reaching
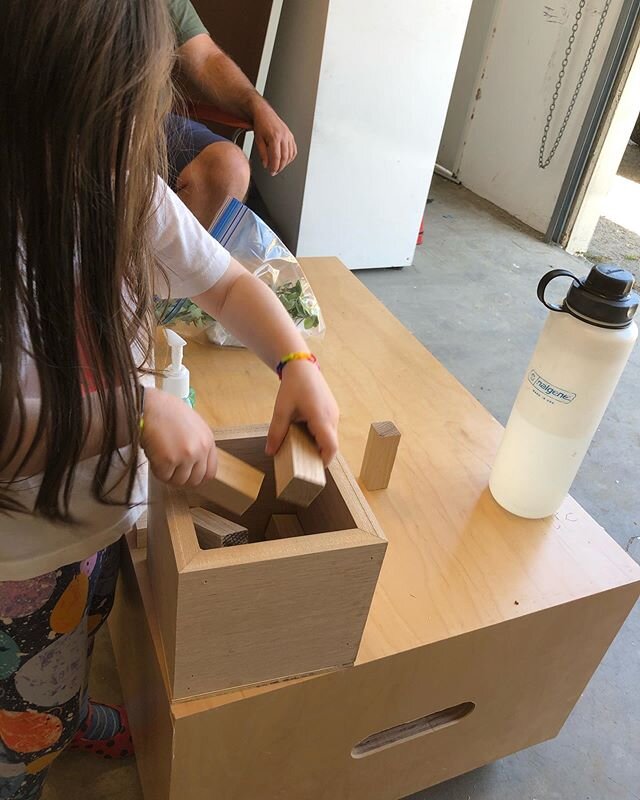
<point x="252" y="313"/>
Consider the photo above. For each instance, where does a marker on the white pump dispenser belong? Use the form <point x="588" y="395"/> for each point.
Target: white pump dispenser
<point x="175" y="378"/>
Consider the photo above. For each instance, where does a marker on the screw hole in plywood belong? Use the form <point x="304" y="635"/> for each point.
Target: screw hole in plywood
<point x="412" y="729"/>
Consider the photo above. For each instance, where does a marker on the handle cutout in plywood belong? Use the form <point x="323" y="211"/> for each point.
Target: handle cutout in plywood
<point x="412" y="729"/>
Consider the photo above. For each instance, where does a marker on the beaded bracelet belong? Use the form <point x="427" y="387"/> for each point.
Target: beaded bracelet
<point x="141" y="423"/>
<point x="295" y="357"/>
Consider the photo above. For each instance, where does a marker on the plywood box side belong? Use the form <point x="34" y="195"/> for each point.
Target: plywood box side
<point x="283" y="526"/>
<point x="524" y="678"/>
<point x="270" y="551"/>
<point x="143" y="678"/>
<point x="351" y="492"/>
<point x="247" y="623"/>
<point x="162" y="563"/>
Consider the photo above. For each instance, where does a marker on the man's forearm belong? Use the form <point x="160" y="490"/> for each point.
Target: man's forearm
<point x="209" y="75"/>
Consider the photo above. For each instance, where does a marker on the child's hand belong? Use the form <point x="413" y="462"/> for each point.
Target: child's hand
<point x="177" y="441"/>
<point x="304" y="396"/>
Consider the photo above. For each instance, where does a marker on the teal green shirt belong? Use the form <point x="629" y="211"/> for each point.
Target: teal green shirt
<point x="186" y="21"/>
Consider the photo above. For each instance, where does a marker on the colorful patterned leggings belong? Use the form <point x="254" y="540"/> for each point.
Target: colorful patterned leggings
<point x="47" y="627"/>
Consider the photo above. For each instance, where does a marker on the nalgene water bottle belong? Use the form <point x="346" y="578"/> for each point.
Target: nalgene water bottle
<point x="581" y="353"/>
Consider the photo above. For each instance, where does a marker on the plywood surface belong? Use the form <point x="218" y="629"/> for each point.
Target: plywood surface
<point x="456" y="561"/>
<point x="295" y="739"/>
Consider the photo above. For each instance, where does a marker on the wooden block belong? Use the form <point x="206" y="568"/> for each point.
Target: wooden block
<point x="379" y="455"/>
<point x="141" y="531"/>
<point x="235" y="486"/>
<point x="300" y="475"/>
<point x="283" y="526"/>
<point x="213" y="530"/>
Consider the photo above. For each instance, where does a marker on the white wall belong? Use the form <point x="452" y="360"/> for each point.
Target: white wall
<point x="383" y="88"/>
<point x="500" y="156"/>
<point x="474" y="51"/>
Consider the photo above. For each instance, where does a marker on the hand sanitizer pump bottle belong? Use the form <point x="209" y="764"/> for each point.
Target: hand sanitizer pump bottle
<point x="579" y="358"/>
<point x="175" y="378"/>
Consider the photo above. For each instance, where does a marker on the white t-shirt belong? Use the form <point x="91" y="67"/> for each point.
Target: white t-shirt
<point x="30" y="546"/>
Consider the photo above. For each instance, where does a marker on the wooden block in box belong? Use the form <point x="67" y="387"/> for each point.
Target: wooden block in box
<point x="283" y="526"/>
<point x="212" y="530"/>
<point x="268" y="610"/>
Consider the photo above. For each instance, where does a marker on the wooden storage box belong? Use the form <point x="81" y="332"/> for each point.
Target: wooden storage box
<point x="266" y="610"/>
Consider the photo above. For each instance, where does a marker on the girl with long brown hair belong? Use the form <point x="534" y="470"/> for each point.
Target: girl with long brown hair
<point x="88" y="234"/>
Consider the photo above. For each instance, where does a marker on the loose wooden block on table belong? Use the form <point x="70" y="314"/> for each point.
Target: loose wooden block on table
<point x="236" y="616"/>
<point x="212" y="530"/>
<point x="300" y="475"/>
<point x="236" y="484"/>
<point x="473" y="604"/>
<point x="379" y="455"/>
<point x="283" y="526"/>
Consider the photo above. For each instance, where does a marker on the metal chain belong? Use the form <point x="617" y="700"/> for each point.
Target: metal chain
<point x="543" y="162"/>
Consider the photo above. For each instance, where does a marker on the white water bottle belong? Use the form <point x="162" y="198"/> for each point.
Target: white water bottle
<point x="579" y="358"/>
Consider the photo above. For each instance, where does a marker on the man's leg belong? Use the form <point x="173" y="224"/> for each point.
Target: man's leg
<point x="204" y="168"/>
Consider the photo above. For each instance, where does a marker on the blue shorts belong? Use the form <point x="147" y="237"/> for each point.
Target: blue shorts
<point x="185" y="140"/>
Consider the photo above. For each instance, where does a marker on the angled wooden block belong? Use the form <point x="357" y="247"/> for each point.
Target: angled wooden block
<point x="235" y="486"/>
<point x="283" y="526"/>
<point x="379" y="455"/>
<point x="213" y="530"/>
<point x="300" y="475"/>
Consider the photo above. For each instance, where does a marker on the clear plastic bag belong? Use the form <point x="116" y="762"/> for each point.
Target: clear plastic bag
<point x="250" y="240"/>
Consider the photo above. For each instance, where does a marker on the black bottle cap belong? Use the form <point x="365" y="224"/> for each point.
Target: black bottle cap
<point x="604" y="298"/>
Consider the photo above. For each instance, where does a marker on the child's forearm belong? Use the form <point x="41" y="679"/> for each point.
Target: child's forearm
<point x="252" y="313"/>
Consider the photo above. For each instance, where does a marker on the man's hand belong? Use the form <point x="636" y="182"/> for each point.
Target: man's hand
<point x="274" y="140"/>
<point x="206" y="73"/>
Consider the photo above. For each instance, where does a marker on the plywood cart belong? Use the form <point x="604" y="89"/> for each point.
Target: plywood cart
<point x="484" y="629"/>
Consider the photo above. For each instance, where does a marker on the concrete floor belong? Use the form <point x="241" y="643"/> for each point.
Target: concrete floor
<point x="617" y="235"/>
<point x="470" y="298"/>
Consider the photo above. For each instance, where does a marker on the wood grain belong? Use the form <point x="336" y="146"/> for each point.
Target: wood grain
<point x="531" y="605"/>
<point x="452" y="549"/>
<point x="133" y="626"/>
<point x="273" y="741"/>
<point x="283" y="526"/>
<point x="235" y="486"/>
<point x="269" y="609"/>
<point x="300" y="475"/>
<point x="141" y="530"/>
<point x="379" y="455"/>
<point x="212" y="530"/>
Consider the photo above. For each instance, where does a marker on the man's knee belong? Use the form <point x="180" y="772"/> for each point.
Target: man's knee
<point x="223" y="164"/>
